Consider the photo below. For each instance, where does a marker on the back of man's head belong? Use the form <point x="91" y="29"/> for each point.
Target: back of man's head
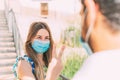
<point x="111" y="10"/>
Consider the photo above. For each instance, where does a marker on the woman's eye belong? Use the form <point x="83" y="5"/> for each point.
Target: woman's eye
<point x="47" y="38"/>
<point x="39" y="37"/>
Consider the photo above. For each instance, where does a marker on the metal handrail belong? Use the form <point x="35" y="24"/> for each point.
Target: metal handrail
<point x="16" y="33"/>
<point x="12" y="24"/>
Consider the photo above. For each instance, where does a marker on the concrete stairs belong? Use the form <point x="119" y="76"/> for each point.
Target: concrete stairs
<point x="7" y="50"/>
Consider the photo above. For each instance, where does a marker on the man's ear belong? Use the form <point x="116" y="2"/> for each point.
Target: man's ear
<point x="92" y="8"/>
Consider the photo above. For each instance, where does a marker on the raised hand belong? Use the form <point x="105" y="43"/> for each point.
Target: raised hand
<point x="55" y="66"/>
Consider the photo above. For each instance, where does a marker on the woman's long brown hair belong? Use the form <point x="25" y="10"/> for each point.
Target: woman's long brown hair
<point x="34" y="28"/>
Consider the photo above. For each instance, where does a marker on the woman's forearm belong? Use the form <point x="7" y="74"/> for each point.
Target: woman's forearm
<point x="27" y="78"/>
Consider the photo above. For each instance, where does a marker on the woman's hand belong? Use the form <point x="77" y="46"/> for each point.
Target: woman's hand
<point x="55" y="66"/>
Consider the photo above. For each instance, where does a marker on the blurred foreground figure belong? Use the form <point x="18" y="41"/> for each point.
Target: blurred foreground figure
<point x="100" y="31"/>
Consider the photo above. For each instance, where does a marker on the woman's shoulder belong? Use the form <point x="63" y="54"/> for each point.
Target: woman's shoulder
<point x="24" y="67"/>
<point x="23" y="64"/>
<point x="24" y="60"/>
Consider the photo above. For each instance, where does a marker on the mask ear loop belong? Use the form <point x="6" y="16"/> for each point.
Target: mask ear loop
<point x="89" y="30"/>
<point x="86" y="45"/>
<point x="82" y="20"/>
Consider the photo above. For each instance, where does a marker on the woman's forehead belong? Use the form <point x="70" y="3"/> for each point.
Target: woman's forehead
<point x="43" y="32"/>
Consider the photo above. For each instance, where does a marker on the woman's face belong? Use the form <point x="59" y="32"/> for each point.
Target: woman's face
<point x="41" y="42"/>
<point x="42" y="35"/>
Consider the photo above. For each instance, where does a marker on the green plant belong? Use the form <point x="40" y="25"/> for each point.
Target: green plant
<point x="71" y="65"/>
<point x="71" y="36"/>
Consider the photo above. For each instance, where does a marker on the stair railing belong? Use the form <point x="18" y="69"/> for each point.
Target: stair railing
<point x="12" y="24"/>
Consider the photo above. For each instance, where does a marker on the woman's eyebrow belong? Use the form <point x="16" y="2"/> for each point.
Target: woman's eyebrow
<point x="41" y="35"/>
<point x="38" y="35"/>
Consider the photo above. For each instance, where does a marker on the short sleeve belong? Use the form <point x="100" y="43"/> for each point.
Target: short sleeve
<point x="26" y="58"/>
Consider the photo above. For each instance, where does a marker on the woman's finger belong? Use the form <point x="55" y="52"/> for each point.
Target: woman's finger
<point x="54" y="51"/>
<point x="61" y="52"/>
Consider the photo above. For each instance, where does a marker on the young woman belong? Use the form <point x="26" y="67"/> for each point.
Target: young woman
<point x="40" y="55"/>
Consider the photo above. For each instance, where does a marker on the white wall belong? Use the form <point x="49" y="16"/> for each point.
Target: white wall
<point x="60" y="11"/>
<point x="1" y="4"/>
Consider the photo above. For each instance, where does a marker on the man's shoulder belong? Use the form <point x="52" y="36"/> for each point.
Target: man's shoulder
<point x="98" y="65"/>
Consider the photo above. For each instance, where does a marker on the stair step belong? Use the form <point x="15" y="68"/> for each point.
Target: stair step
<point x="3" y="25"/>
<point x="7" y="62"/>
<point x="6" y="39"/>
<point x="3" y="22"/>
<point x="2" y="17"/>
<point x="2" y="12"/>
<point x="7" y="77"/>
<point x="4" y="31"/>
<point x="7" y="44"/>
<point x="7" y="49"/>
<point x="4" y="28"/>
<point x="8" y="55"/>
<point x="6" y="70"/>
<point x="9" y="34"/>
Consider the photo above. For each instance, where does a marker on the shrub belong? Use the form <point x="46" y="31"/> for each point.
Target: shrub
<point x="71" y="65"/>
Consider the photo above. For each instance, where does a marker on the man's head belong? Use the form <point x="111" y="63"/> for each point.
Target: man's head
<point x="101" y="24"/>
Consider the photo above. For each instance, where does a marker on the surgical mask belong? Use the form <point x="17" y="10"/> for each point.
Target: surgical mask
<point x="84" y="43"/>
<point x="86" y="46"/>
<point x="40" y="46"/>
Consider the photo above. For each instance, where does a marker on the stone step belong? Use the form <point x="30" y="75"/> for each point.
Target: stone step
<point x="8" y="55"/>
<point x="9" y="34"/>
<point x="4" y="27"/>
<point x="7" y="49"/>
<point x="2" y="12"/>
<point x="7" y="62"/>
<point x="2" y="21"/>
<point x="6" y="70"/>
<point x="6" y="39"/>
<point x="4" y="31"/>
<point x="7" y="77"/>
<point x="7" y="44"/>
<point x="2" y="17"/>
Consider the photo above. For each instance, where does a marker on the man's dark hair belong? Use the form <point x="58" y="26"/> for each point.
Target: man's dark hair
<point x="111" y="10"/>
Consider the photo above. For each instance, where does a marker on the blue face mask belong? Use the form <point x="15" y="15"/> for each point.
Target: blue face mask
<point x="84" y="43"/>
<point x="40" y="46"/>
<point x="86" y="46"/>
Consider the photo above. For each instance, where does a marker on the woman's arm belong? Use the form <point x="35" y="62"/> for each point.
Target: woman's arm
<point x="55" y="66"/>
<point x="24" y="71"/>
<point x="54" y="69"/>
